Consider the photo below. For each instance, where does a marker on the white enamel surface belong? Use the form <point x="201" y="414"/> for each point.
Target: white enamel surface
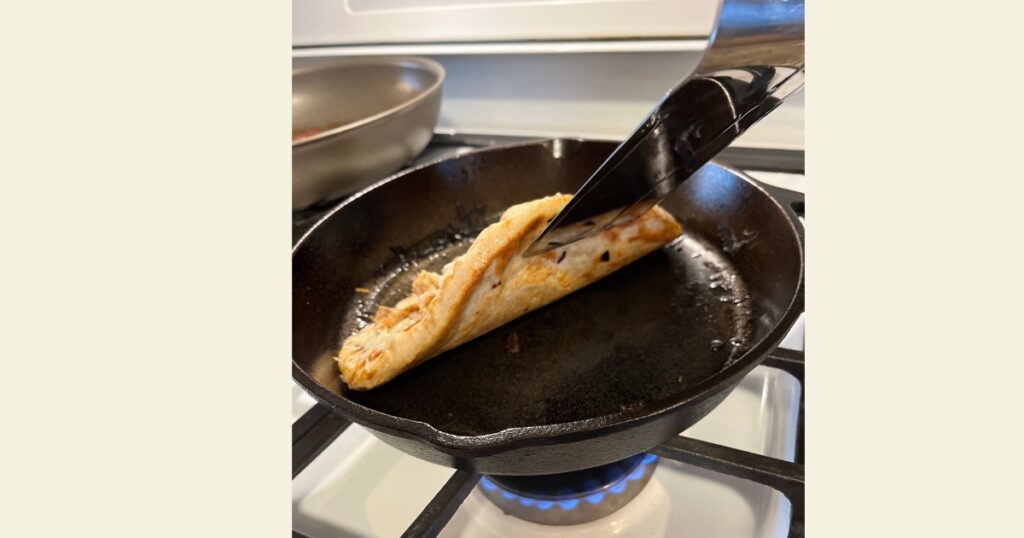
<point x="360" y="486"/>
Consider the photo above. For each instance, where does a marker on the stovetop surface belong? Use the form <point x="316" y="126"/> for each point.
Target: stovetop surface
<point x="360" y="486"/>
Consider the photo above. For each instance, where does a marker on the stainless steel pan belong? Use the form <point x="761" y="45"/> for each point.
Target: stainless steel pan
<point x="357" y="120"/>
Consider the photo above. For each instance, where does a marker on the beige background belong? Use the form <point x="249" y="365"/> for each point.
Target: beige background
<point x="145" y="275"/>
<point x="145" y="176"/>
<point x="914" y="286"/>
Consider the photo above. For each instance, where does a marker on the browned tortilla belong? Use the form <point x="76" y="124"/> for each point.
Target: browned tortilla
<point x="490" y="285"/>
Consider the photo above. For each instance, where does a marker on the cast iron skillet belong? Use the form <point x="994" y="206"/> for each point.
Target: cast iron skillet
<point x="610" y="371"/>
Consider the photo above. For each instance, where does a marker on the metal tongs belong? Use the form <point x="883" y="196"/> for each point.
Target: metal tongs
<point x="754" y="60"/>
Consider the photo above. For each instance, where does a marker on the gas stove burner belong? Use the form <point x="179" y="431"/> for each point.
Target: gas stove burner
<point x="571" y="498"/>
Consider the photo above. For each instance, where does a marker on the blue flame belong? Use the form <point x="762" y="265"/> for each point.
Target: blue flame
<point x="595" y="498"/>
<point x="568" y="505"/>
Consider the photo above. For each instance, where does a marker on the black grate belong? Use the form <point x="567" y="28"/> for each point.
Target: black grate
<point x="316" y="429"/>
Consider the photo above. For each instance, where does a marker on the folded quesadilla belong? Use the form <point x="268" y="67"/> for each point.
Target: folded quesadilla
<point x="490" y="285"/>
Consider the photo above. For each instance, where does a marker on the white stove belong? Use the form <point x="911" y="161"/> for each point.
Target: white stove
<point x="361" y="487"/>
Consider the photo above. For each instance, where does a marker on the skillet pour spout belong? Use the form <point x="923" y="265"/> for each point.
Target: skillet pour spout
<point x="610" y="371"/>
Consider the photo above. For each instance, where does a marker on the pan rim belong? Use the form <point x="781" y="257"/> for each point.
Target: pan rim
<point x="550" y="434"/>
<point x="426" y="64"/>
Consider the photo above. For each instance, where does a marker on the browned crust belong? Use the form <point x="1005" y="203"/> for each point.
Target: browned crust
<point x="434" y="318"/>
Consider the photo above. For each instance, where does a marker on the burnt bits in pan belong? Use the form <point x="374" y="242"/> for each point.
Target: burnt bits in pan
<point x="639" y="336"/>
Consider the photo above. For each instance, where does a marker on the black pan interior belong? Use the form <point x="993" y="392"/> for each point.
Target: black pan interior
<point x="629" y="344"/>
